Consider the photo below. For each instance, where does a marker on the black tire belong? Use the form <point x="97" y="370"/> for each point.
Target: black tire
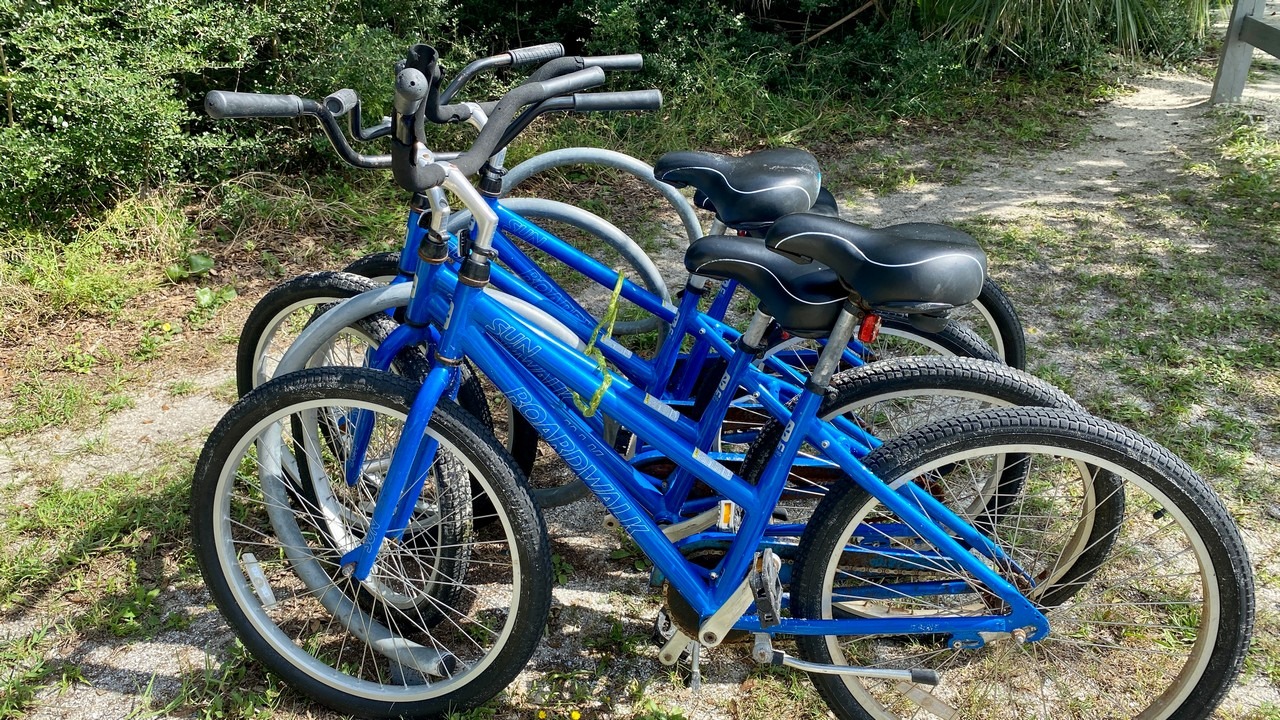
<point x="379" y="267"/>
<point x="1117" y="636"/>
<point x="488" y="629"/>
<point x="267" y="333"/>
<point x="999" y="325"/>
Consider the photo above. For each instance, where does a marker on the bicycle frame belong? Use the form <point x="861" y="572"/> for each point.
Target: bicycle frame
<point x="520" y="360"/>
<point x="527" y="281"/>
<point x="533" y="368"/>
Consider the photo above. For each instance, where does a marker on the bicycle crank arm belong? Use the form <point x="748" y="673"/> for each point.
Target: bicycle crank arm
<point x="766" y="655"/>
<point x="670" y="652"/>
<point x="713" y="631"/>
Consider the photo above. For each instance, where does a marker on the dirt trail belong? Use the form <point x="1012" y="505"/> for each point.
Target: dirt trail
<point x="1135" y="139"/>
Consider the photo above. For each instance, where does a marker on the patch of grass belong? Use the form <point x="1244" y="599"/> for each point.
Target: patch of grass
<point x="617" y="641"/>
<point x="72" y="277"/>
<point x="650" y="709"/>
<point x="182" y="388"/>
<point x="24" y="671"/>
<point x="98" y="271"/>
<point x="326" y="221"/>
<point x="129" y="607"/>
<point x="42" y="401"/>
<point x="1171" y="318"/>
<point x="484" y="712"/>
<point x="1238" y="190"/>
<point x="561" y="569"/>
<point x="773" y="692"/>
<point x="208" y="300"/>
<point x="235" y="687"/>
<point x="60" y="537"/>
<point x="156" y="334"/>
<point x="559" y="694"/>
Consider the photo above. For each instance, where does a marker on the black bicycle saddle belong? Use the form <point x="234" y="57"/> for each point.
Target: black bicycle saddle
<point x="908" y="268"/>
<point x="748" y="192"/>
<point x="805" y="299"/>
<point x="824" y="205"/>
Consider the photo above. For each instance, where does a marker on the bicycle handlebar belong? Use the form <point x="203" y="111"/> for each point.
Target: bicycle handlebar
<point x="416" y="176"/>
<point x="584" y="102"/>
<point x="618" y="101"/>
<point x="223" y="104"/>
<point x="341" y="102"/>
<point x="560" y="66"/>
<point x="416" y="99"/>
<point x="534" y="54"/>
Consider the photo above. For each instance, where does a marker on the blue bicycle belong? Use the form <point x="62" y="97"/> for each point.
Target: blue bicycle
<point x="749" y="209"/>
<point x="337" y="511"/>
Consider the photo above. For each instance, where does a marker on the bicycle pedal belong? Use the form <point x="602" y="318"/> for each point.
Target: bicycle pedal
<point x="730" y="516"/>
<point x="675" y="648"/>
<point x="766" y="588"/>
<point x="625" y="443"/>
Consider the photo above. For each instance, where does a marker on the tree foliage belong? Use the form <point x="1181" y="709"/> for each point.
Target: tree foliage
<point x="102" y="97"/>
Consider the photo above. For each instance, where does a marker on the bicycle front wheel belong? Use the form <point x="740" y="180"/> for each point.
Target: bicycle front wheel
<point x="1155" y="627"/>
<point x="452" y="609"/>
<point x="283" y="313"/>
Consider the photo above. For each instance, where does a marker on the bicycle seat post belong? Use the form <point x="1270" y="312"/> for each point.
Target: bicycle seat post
<point x="829" y="361"/>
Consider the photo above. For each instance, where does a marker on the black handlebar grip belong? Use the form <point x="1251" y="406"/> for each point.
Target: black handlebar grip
<point x="634" y="61"/>
<point x="581" y="80"/>
<point x="618" y="101"/>
<point x="341" y="102"/>
<point x="223" y="104"/>
<point x="411" y="88"/>
<point x="535" y="54"/>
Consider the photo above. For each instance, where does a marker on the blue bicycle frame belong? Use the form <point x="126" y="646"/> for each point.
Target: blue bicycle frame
<point x="534" y="368"/>
<point x="527" y="281"/>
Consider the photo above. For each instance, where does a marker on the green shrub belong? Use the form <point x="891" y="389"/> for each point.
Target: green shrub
<point x="102" y="98"/>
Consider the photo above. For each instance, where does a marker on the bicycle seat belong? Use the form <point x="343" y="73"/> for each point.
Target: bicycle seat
<point x="805" y="299"/>
<point x="907" y="268"/>
<point x="825" y="205"/>
<point x="748" y="192"/>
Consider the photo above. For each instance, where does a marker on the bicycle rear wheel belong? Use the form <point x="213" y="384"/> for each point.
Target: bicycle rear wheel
<point x="1156" y="627"/>
<point x="452" y="610"/>
<point x="993" y="318"/>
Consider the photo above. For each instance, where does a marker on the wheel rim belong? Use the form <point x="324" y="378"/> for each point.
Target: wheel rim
<point x="988" y="329"/>
<point x="242" y="494"/>
<point x="272" y="345"/>
<point x="1002" y="668"/>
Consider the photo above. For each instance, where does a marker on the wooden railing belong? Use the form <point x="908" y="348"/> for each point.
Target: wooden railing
<point x="1246" y="32"/>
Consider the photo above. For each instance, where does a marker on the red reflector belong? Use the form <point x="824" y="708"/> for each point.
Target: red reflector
<point x="869" y="330"/>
